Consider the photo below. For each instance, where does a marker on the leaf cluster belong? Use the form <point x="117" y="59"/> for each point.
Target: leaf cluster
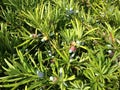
<point x="60" y="44"/>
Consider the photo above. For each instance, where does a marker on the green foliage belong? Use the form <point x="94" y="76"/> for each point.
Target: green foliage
<point x="60" y="44"/>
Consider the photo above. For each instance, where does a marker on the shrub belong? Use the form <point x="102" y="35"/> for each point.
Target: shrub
<point x="60" y="44"/>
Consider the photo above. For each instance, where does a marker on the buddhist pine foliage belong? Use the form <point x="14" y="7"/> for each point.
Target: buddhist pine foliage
<point x="60" y="44"/>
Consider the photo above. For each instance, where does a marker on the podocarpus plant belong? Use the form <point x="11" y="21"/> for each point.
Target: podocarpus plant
<point x="63" y="44"/>
<point x="101" y="71"/>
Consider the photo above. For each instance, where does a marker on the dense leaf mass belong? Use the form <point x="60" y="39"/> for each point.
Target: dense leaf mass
<point x="59" y="44"/>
